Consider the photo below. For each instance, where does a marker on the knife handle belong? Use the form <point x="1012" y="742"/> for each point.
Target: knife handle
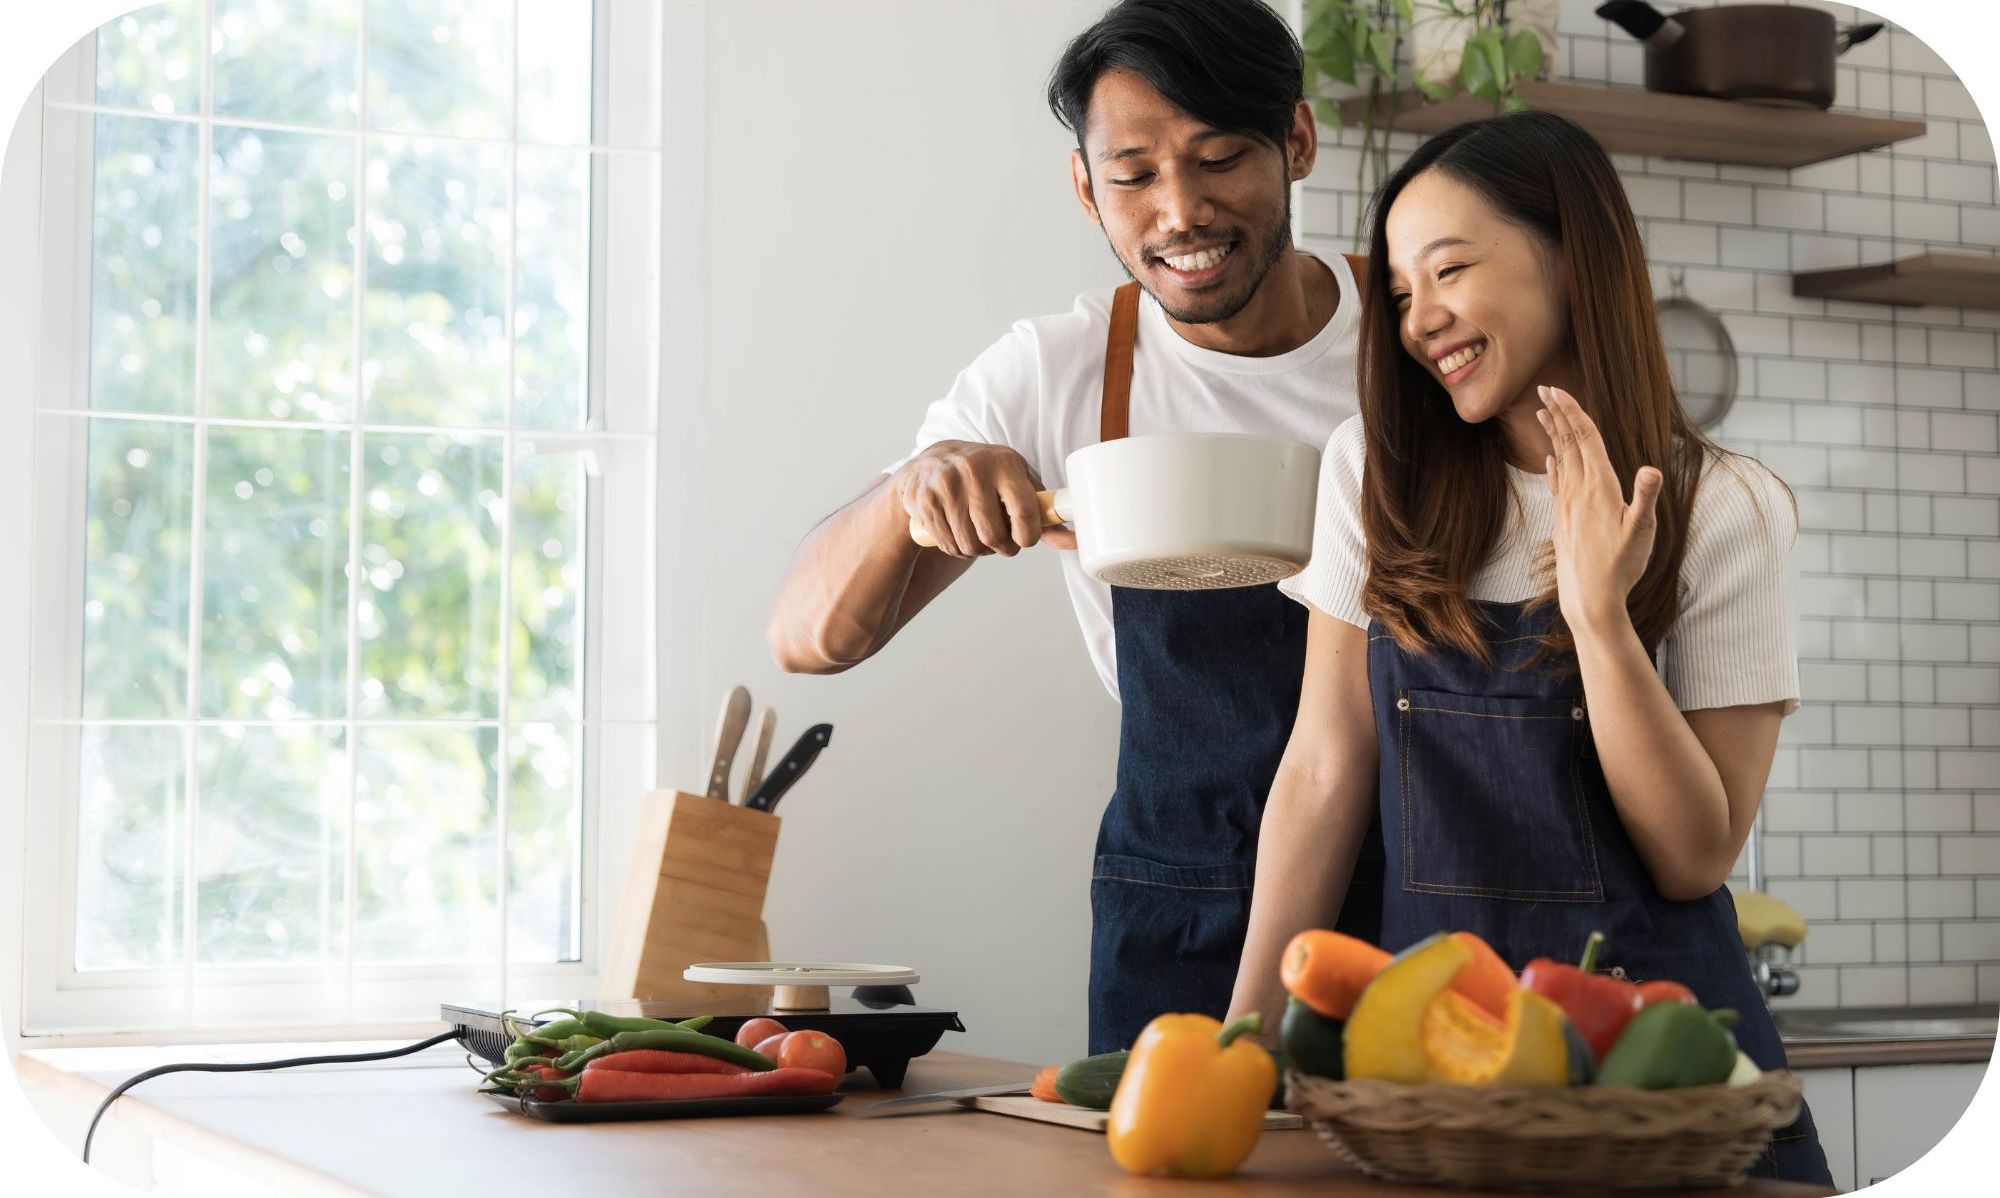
<point x="791" y="767"/>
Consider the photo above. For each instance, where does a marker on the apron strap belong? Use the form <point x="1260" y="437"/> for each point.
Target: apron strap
<point x="1114" y="415"/>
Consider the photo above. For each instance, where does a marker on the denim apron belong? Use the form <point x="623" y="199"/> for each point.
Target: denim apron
<point x="1209" y="685"/>
<point x="1496" y="819"/>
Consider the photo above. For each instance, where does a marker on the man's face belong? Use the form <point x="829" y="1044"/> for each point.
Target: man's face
<point x="1198" y="216"/>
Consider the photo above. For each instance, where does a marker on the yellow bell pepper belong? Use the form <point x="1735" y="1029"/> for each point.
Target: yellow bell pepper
<point x="1192" y="1100"/>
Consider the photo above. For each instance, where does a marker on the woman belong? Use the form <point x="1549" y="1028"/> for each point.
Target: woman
<point x="1487" y="607"/>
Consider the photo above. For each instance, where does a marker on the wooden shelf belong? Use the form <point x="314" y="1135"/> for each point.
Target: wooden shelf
<point x="1948" y="280"/>
<point x="1662" y="125"/>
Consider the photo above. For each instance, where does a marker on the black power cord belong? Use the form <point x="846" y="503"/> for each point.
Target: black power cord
<point x="254" y="1067"/>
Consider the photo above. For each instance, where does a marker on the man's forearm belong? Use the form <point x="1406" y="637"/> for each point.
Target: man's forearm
<point x="840" y="599"/>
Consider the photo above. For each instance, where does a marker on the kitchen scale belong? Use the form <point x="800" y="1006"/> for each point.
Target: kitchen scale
<point x="879" y="1023"/>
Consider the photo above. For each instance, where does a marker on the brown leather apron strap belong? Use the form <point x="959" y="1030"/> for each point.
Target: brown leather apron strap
<point x="1114" y="417"/>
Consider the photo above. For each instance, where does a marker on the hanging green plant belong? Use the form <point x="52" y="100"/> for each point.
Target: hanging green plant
<point x="1484" y="48"/>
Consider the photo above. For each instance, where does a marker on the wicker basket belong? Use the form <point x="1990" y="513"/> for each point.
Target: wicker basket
<point x="1588" y="1138"/>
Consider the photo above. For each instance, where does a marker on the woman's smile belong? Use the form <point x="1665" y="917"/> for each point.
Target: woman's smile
<point x="1458" y="361"/>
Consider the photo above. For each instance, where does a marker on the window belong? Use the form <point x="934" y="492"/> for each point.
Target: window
<point x="344" y="536"/>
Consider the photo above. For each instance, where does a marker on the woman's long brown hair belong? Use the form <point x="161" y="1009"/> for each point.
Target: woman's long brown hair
<point x="1434" y="491"/>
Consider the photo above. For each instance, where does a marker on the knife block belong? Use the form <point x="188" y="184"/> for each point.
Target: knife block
<point x="694" y="892"/>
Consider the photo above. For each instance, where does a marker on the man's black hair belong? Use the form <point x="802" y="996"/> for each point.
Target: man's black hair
<point x="1231" y="64"/>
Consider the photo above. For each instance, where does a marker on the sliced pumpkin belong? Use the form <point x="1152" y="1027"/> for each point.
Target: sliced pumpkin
<point x="1384" y="1036"/>
<point x="1464" y="1046"/>
<point x="1487" y="979"/>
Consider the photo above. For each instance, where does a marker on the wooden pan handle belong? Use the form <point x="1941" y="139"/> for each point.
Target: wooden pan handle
<point x="1051" y="518"/>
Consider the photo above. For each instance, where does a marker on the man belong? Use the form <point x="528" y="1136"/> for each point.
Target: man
<point x="1190" y="131"/>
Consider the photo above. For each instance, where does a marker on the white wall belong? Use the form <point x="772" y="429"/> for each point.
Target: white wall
<point x="885" y="192"/>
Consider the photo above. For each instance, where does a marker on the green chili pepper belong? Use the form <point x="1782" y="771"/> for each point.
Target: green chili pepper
<point x="511" y="1072"/>
<point x="521" y="1048"/>
<point x="1669" y="1045"/>
<point x="597" y="1023"/>
<point x="548" y="1034"/>
<point x="673" y="1039"/>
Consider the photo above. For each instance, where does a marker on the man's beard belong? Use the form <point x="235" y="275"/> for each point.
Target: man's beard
<point x="1210" y="308"/>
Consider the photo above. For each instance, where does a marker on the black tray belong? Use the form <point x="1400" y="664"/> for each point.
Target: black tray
<point x="568" y="1111"/>
<point x="880" y="1035"/>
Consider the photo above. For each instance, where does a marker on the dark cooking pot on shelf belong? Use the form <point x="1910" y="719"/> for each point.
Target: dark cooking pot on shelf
<point x="1766" y="53"/>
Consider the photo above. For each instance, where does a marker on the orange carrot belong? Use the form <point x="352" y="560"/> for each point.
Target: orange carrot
<point x="1327" y="971"/>
<point x="1044" y="1086"/>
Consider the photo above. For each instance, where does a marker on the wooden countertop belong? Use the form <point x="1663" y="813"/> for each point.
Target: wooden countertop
<point x="414" y="1126"/>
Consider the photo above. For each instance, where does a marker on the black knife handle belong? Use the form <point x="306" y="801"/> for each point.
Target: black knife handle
<point x="790" y="767"/>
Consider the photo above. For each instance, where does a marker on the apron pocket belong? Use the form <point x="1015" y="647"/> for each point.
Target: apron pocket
<point x="1493" y="798"/>
<point x="1162" y="938"/>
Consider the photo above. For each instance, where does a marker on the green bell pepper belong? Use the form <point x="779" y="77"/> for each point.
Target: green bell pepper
<point x="1669" y="1045"/>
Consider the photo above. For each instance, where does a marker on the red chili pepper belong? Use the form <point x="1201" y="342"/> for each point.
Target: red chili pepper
<point x="1598" y="1005"/>
<point x="660" y="1060"/>
<point x="616" y="1085"/>
<point x="552" y="1074"/>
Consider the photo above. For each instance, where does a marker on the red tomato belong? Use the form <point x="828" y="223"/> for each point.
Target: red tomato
<point x="756" y="1031"/>
<point x="769" y="1045"/>
<point x="812" y="1050"/>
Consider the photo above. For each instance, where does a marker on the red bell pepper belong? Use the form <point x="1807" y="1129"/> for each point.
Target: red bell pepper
<point x="1652" y="992"/>
<point x="1597" y="1004"/>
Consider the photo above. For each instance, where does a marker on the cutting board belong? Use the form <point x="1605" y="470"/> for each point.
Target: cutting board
<point x="1022" y="1107"/>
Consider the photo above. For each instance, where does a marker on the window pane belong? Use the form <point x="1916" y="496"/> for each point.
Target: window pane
<point x="424" y="826"/>
<point x="271" y="847"/>
<point x="151" y="59"/>
<point x="544" y="845"/>
<point x="274" y="576"/>
<point x="135" y="592"/>
<point x="555" y="71"/>
<point x="548" y="586"/>
<point x="143" y="251"/>
<point x="281" y="276"/>
<point x="290" y="61"/>
<point x="130" y="784"/>
<point x="552" y="292"/>
<point x="430" y="593"/>
<point x="441" y="66"/>
<point x="437" y="283"/>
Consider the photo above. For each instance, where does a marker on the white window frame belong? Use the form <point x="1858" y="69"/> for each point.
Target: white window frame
<point x="617" y="728"/>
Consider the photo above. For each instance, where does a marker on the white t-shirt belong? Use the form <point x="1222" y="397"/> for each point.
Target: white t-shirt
<point x="1732" y="643"/>
<point x="1039" y="389"/>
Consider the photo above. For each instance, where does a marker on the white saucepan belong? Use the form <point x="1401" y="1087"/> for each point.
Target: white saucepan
<point x="1187" y="511"/>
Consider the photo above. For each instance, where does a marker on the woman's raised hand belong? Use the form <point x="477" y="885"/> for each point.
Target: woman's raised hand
<point x="1602" y="542"/>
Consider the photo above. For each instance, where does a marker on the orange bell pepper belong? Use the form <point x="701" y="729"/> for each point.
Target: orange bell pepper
<point x="1191" y="1102"/>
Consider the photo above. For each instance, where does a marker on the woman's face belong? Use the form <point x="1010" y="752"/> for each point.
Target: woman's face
<point x="1475" y="295"/>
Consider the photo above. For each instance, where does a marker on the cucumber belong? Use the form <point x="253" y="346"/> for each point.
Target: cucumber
<point x="1091" y="1081"/>
<point x="1312" y="1041"/>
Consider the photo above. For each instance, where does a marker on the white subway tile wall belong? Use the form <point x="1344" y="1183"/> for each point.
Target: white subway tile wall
<point x="1882" y="815"/>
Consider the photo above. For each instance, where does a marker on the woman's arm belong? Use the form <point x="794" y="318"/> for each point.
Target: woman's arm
<point x="1685" y="786"/>
<point x="1316" y="816"/>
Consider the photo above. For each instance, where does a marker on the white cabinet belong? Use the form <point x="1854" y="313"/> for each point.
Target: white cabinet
<point x="1830" y="1096"/>
<point x="1902" y="1111"/>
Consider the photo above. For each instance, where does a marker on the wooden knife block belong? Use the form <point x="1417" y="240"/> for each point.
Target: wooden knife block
<point x="694" y="892"/>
